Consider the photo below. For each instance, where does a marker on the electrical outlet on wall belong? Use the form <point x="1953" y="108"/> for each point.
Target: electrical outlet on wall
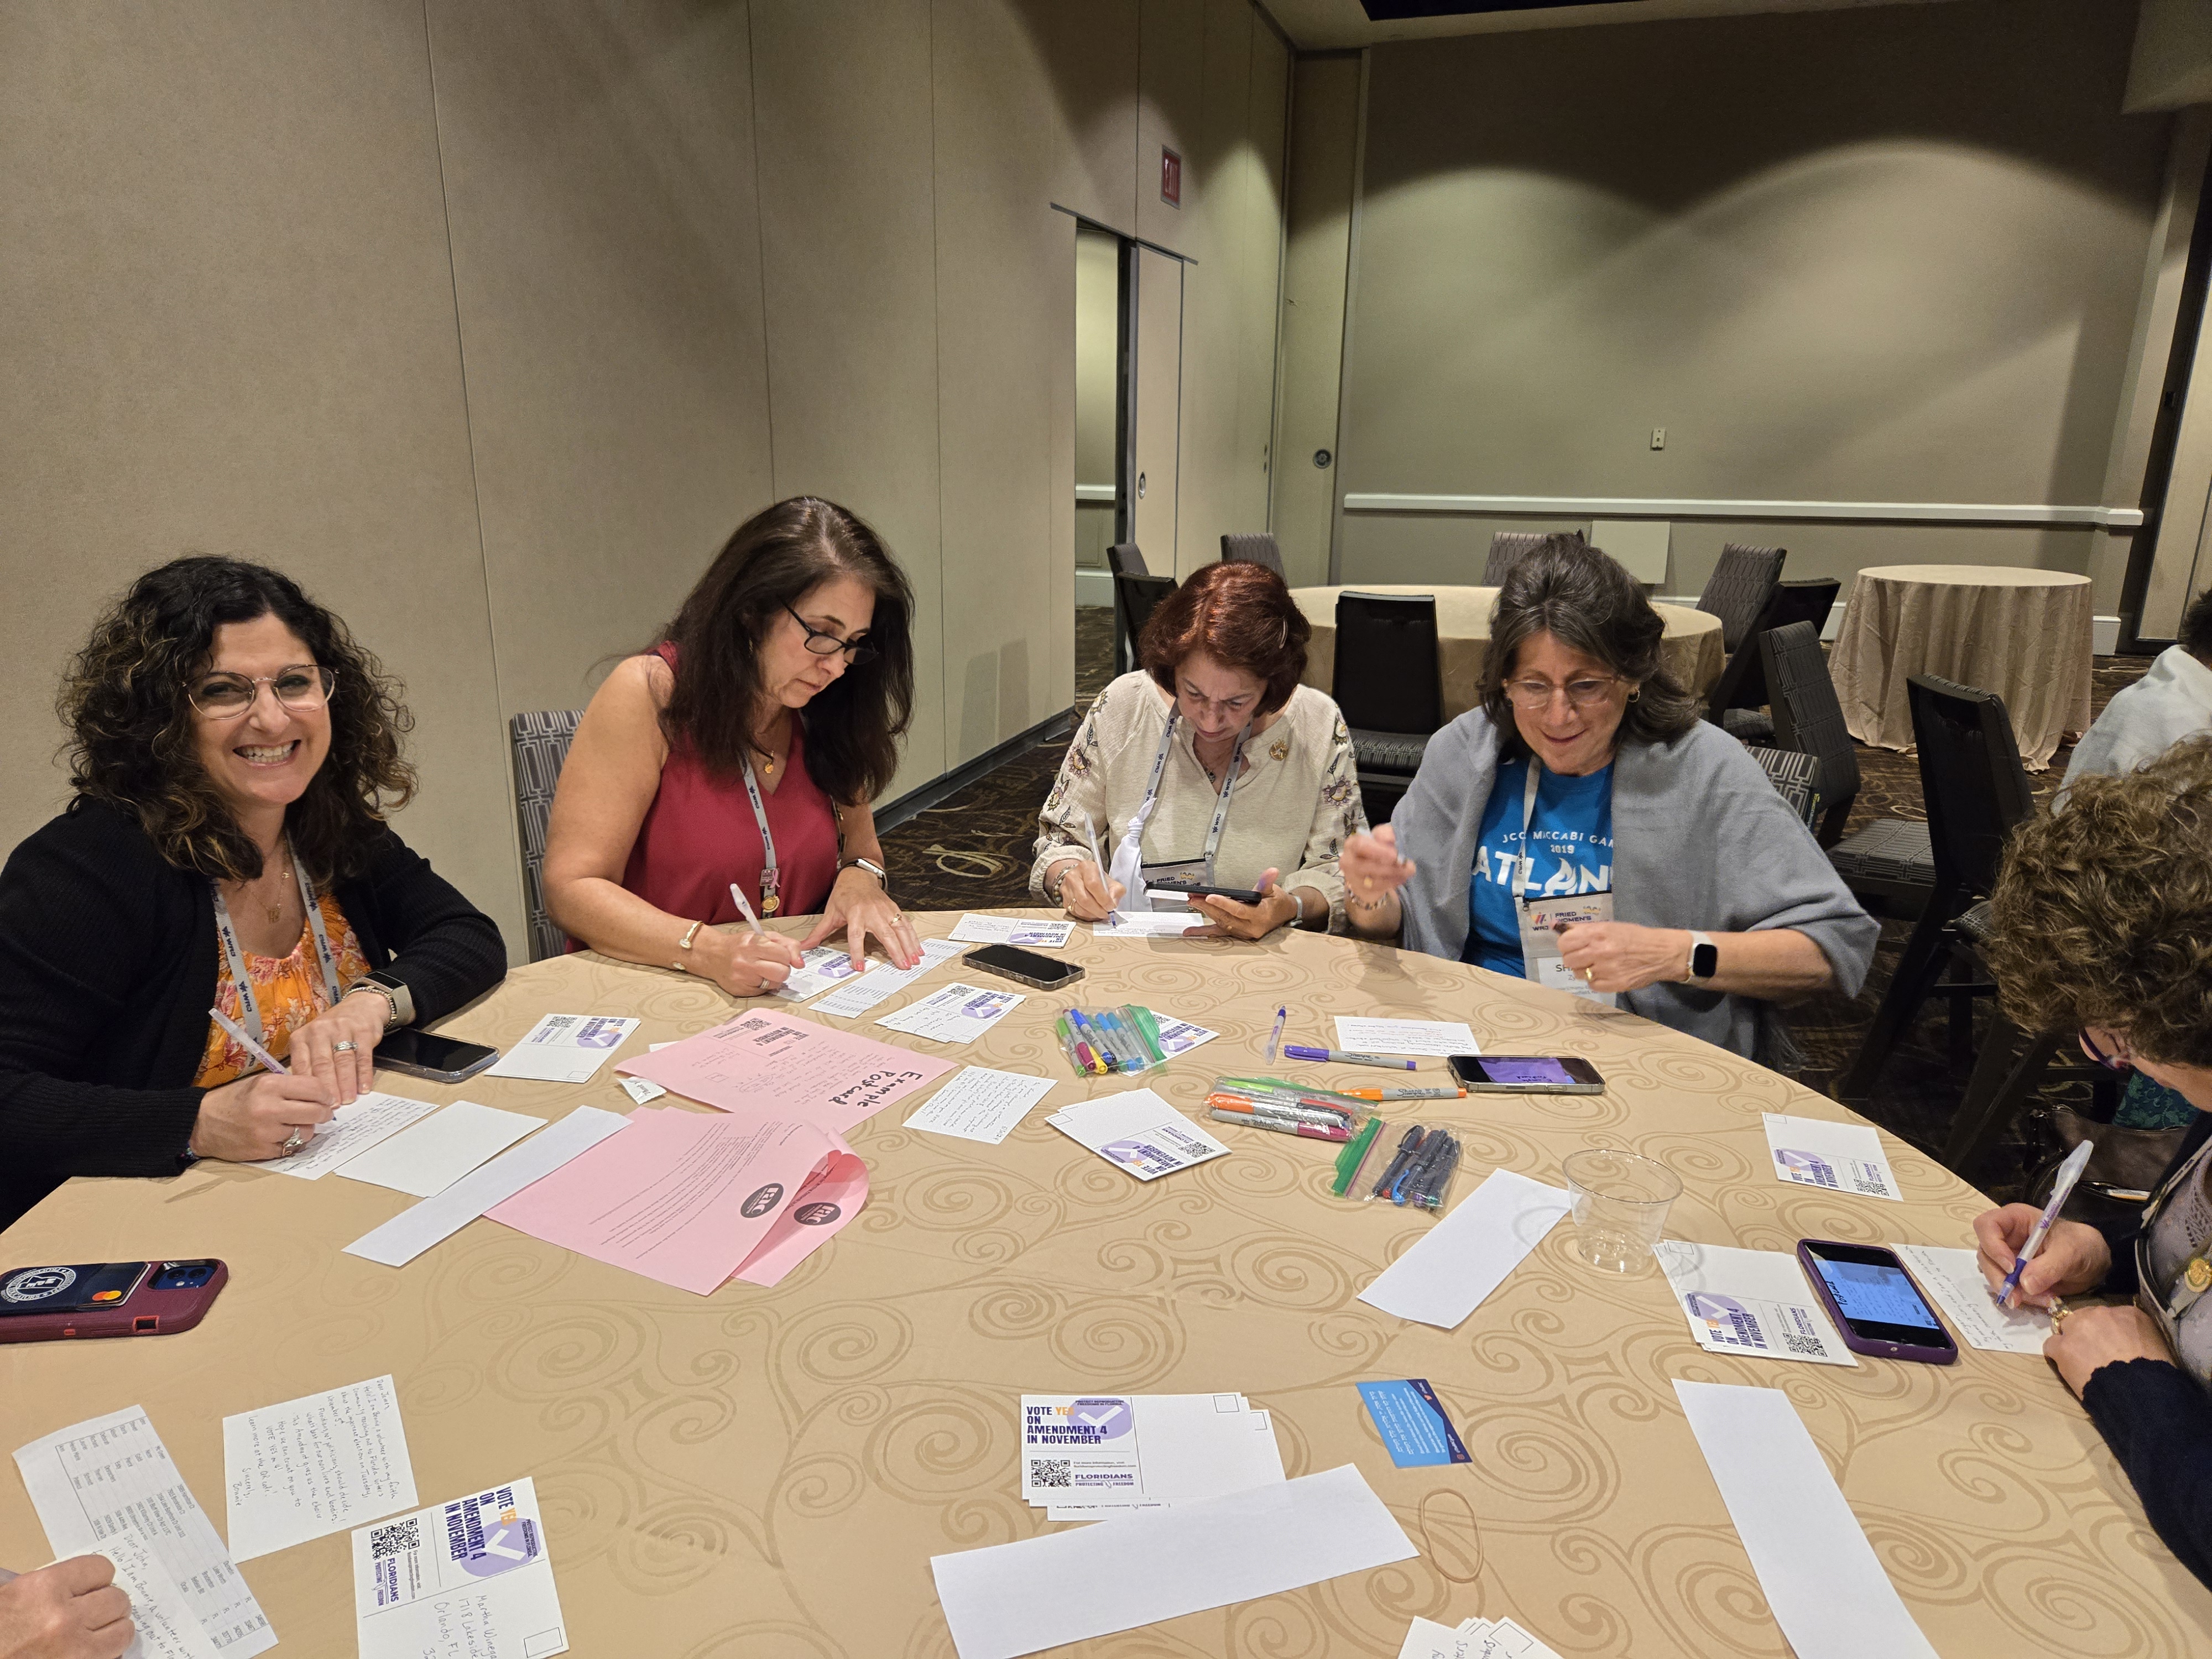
<point x="1658" y="437"/>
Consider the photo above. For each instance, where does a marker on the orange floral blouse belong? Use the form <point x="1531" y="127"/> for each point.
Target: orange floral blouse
<point x="287" y="991"/>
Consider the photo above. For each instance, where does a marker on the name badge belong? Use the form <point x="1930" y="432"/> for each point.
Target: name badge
<point x="1541" y="919"/>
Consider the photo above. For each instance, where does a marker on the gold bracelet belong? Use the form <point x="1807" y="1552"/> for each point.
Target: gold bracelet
<point x="684" y="944"/>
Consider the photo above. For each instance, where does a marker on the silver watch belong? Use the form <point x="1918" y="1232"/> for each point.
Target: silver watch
<point x="874" y="869"/>
<point x="395" y="993"/>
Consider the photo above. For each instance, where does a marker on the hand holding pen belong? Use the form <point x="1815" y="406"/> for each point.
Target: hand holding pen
<point x="266" y="1115"/>
<point x="2073" y="1258"/>
<point x="747" y="964"/>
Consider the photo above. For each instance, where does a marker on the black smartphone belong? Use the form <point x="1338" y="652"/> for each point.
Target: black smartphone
<point x="1025" y="967"/>
<point x="1874" y="1303"/>
<point x="1198" y="888"/>
<point x="1527" y="1074"/>
<point x="442" y="1060"/>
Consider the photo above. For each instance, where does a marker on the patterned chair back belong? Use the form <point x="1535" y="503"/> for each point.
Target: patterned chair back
<point x="1258" y="548"/>
<point x="541" y="747"/>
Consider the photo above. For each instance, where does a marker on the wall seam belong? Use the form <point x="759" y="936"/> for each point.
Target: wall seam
<point x="949" y="744"/>
<point x="1351" y="296"/>
<point x="760" y="245"/>
<point x="1282" y="269"/>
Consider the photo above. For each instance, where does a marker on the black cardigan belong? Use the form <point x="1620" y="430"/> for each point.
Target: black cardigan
<point x="108" y="965"/>
<point x="2156" y="1418"/>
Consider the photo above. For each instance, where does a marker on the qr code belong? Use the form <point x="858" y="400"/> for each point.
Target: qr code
<point x="1052" y="1472"/>
<point x="390" y="1541"/>
<point x="1804" y="1344"/>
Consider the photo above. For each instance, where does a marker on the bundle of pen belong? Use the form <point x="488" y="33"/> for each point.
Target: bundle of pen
<point x="1419" y="1173"/>
<point x="1102" y="1041"/>
<point x="1288" y="1109"/>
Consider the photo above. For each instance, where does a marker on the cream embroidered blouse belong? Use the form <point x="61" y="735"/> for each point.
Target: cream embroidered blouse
<point x="1291" y="809"/>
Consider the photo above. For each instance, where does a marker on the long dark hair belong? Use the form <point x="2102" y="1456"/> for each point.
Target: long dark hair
<point x="1584" y="599"/>
<point x="132" y="744"/>
<point x="775" y="558"/>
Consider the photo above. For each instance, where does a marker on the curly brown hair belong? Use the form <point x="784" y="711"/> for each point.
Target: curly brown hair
<point x="132" y="742"/>
<point x="1240" y="615"/>
<point x="2103" y="910"/>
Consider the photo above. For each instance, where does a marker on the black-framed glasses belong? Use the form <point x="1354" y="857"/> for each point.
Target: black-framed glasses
<point x="300" y="688"/>
<point x="2116" y="1062"/>
<point x="857" y="650"/>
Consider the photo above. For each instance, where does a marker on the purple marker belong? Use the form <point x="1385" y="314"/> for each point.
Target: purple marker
<point x="1342" y="1057"/>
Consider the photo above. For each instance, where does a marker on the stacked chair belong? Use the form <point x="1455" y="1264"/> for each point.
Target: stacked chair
<point x="1507" y="549"/>
<point x="1253" y="550"/>
<point x="1740" y="697"/>
<point x="1136" y="593"/>
<point x="1388" y="686"/>
<point x="540" y="742"/>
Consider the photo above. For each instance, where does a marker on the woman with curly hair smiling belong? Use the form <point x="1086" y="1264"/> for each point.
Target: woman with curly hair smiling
<point x="233" y="753"/>
<point x="2103" y="919"/>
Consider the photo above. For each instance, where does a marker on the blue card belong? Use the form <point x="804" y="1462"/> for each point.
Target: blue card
<point x="1413" y="1424"/>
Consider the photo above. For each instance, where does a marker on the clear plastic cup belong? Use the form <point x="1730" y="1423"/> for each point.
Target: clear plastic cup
<point x="1621" y="1203"/>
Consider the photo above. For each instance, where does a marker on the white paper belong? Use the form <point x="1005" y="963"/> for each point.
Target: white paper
<point x="1085" y="1457"/>
<point x="1755" y="1303"/>
<point x="414" y="1231"/>
<point x="958" y="1013"/>
<point x="432" y="1155"/>
<point x="1507" y="1640"/>
<point x="818" y="969"/>
<point x="1139" y="1131"/>
<point x="469" y="1579"/>
<point x="1820" y="1576"/>
<point x="1844" y="1157"/>
<point x="1954" y="1279"/>
<point x="1013" y="1599"/>
<point x="977" y="1104"/>
<point x="1468" y="1255"/>
<point x="167" y="1629"/>
<point x="1147" y="924"/>
<point x="1415" y="1039"/>
<point x="643" y="1090"/>
<point x="315" y="1465"/>
<point x="564" y="1048"/>
<point x="1179" y="1036"/>
<point x="96" y="1477"/>
<point x="1013" y="930"/>
<point x="856" y="996"/>
<point x="352" y="1130"/>
<point x="1426" y="1639"/>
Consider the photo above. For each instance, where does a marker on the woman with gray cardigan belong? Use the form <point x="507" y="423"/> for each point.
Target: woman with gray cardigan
<point x="1584" y="828"/>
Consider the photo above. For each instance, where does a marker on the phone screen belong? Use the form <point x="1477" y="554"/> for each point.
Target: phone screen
<point x="1879" y="1299"/>
<point x="408" y="1047"/>
<point x="1524" y="1069"/>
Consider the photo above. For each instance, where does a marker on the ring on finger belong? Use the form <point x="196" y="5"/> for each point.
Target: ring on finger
<point x="293" y="1141"/>
<point x="343" y="1048"/>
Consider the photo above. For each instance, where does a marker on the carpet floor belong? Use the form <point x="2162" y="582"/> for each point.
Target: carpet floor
<point x="973" y="851"/>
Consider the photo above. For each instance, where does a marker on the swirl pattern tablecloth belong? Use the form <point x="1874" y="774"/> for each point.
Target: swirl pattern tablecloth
<point x="765" y="1473"/>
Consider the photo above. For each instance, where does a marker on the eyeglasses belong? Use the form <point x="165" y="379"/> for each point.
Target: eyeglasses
<point x="227" y="697"/>
<point x="2121" y="1059"/>
<point x="856" y="649"/>
<point x="1534" y="697"/>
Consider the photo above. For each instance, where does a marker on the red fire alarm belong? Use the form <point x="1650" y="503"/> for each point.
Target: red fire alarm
<point x="1170" y="177"/>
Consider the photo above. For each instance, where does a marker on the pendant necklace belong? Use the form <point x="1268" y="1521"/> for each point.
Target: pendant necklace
<point x="276" y="910"/>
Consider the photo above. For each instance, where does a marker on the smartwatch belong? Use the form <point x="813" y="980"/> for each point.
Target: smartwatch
<point x="395" y="992"/>
<point x="882" y="875"/>
<point x="1704" y="958"/>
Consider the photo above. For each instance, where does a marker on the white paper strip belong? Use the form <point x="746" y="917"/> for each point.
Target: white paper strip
<point x="1468" y="1255"/>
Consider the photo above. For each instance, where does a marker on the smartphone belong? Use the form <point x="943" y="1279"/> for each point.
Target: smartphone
<point x="1026" y="967"/>
<point x="442" y="1060"/>
<point x="1875" y="1302"/>
<point x="1527" y="1074"/>
<point x="1190" y="890"/>
<point x="106" y="1298"/>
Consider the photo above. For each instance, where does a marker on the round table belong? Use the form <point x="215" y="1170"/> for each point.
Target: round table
<point x="1693" y="646"/>
<point x="2025" y="634"/>
<point x="769" y="1471"/>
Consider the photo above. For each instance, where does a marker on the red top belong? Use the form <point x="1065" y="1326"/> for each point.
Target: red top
<point x="699" y="836"/>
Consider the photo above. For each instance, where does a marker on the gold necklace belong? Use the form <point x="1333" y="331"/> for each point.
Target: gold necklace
<point x="276" y="910"/>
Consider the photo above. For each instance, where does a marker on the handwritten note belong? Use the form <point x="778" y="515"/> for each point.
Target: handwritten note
<point x="352" y="1130"/>
<point x="167" y="1629"/>
<point x="980" y="1104"/>
<point x="315" y="1465"/>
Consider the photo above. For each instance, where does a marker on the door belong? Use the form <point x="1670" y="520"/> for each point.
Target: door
<point x="1156" y="433"/>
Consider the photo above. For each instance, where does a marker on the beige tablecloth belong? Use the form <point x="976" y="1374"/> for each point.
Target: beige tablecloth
<point x="1692" y="645"/>
<point x="2025" y="634"/>
<point x="768" y="1472"/>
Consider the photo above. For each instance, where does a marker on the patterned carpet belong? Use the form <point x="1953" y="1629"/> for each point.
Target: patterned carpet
<point x="972" y="852"/>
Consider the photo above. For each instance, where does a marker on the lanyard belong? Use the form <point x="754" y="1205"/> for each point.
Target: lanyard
<point x="2194" y="1277"/>
<point x="1526" y="864"/>
<point x="771" y="878"/>
<point x="242" y="977"/>
<point x="1220" y="806"/>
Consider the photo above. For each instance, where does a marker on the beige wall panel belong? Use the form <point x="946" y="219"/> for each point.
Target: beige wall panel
<point x="1156" y="434"/>
<point x="599" y="174"/>
<point x="1005" y="341"/>
<point x="1170" y="112"/>
<point x="1317" y="212"/>
<point x="228" y="326"/>
<point x="1869" y="264"/>
<point x="1091" y="51"/>
<point x="1058" y="680"/>
<point x="1260" y="313"/>
<point x="1098" y="347"/>
<point x="842" y="120"/>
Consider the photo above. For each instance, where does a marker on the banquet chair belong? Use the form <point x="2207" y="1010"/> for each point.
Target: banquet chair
<point x="1740" y="697"/>
<point x="1259" y="549"/>
<point x="1135" y="597"/>
<point x="1738" y="590"/>
<point x="540" y="742"/>
<point x="1977" y="793"/>
<point x="1124" y="559"/>
<point x="1795" y="776"/>
<point x="1507" y="549"/>
<point x="1388" y="687"/>
<point x="1807" y="716"/>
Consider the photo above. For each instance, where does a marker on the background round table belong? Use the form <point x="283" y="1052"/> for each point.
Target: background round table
<point x="767" y="1472"/>
<point x="1692" y="645"/>
<point x="2025" y="634"/>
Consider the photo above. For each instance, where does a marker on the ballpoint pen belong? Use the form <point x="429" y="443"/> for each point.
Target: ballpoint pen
<point x="268" y="1061"/>
<point x="1428" y="1193"/>
<point x="1409" y="1179"/>
<point x="1276" y="1035"/>
<point x="745" y="909"/>
<point x="1344" y="1057"/>
<point x="2068" y="1173"/>
<point x="1391" y="1171"/>
<point x="1284" y="1126"/>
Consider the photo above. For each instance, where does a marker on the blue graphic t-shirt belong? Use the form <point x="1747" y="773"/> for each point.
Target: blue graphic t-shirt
<point x="1573" y="830"/>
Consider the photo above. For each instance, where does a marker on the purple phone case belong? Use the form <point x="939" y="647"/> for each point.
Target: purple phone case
<point x="1879" y="1348"/>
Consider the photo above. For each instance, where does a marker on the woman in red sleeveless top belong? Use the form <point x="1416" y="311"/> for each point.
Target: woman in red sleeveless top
<point x="744" y="750"/>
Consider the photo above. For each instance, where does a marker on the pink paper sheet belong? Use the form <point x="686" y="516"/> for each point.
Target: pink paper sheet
<point x="769" y="1061"/>
<point x="690" y="1199"/>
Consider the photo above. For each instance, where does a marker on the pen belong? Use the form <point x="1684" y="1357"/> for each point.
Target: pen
<point x="1293" y="1114"/>
<point x="1090" y="1028"/>
<point x="1391" y="1170"/>
<point x="1344" y="1111"/>
<point x="1432" y="1143"/>
<point x="1132" y="1041"/>
<point x="268" y="1061"/>
<point x="1091" y="1062"/>
<point x="1405" y="1094"/>
<point x="1275" y="1087"/>
<point x="2068" y="1173"/>
<point x="1342" y="1057"/>
<point x="1428" y="1193"/>
<point x="745" y="909"/>
<point x="1281" y="1126"/>
<point x="1276" y="1035"/>
<point x="1069" y="1045"/>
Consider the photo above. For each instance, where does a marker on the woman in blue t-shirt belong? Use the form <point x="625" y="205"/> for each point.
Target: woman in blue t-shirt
<point x="1716" y="899"/>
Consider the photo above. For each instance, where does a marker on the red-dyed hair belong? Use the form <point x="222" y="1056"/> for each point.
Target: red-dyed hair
<point x="1240" y="615"/>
